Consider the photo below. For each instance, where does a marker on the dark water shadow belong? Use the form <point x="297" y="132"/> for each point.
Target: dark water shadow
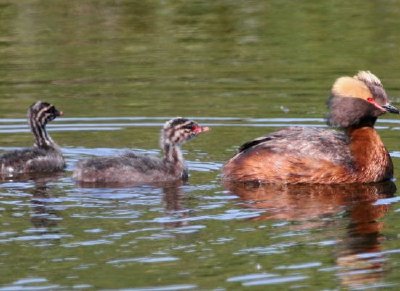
<point x="173" y="199"/>
<point x="359" y="257"/>
<point x="128" y="184"/>
<point x="43" y="214"/>
<point x="36" y="177"/>
<point x="172" y="191"/>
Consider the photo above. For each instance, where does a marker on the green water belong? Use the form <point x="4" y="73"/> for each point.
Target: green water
<point x="236" y="66"/>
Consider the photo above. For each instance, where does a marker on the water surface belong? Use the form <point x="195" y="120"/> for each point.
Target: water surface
<point x="119" y="70"/>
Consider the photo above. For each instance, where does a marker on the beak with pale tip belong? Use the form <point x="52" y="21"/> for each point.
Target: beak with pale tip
<point x="199" y="129"/>
<point x="385" y="108"/>
<point x="390" y="108"/>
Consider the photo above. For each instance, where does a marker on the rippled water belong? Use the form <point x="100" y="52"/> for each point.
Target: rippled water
<point x="201" y="235"/>
<point x="119" y="70"/>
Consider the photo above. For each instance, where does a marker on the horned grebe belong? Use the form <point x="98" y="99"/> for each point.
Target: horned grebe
<point x="312" y="155"/>
<point x="132" y="167"/>
<point x="45" y="156"/>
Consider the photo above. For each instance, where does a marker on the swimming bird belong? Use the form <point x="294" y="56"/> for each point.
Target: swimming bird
<point x="353" y="154"/>
<point x="133" y="167"/>
<point x="45" y="155"/>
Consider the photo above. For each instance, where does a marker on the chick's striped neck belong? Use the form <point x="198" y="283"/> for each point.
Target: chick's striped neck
<point x="38" y="123"/>
<point x="172" y="153"/>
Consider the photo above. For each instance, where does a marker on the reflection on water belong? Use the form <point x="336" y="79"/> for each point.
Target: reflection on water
<point x="190" y="230"/>
<point x="43" y="214"/>
<point x="173" y="203"/>
<point x="8" y="125"/>
<point x="119" y="70"/>
<point x="359" y="256"/>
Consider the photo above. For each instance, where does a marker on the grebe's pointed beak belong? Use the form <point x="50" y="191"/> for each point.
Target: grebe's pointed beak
<point x="390" y="108"/>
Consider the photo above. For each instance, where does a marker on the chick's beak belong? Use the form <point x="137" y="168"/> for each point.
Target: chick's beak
<point x="200" y="129"/>
<point x="390" y="108"/>
<point x="205" y="128"/>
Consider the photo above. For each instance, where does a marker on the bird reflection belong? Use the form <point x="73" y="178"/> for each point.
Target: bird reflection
<point x="43" y="213"/>
<point x="173" y="195"/>
<point x="173" y="198"/>
<point x="36" y="177"/>
<point x="358" y="255"/>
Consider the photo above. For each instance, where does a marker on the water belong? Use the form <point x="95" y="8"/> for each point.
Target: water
<point x="119" y="69"/>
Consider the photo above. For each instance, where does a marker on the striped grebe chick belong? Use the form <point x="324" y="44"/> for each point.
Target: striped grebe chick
<point x="354" y="154"/>
<point x="45" y="155"/>
<point x="131" y="167"/>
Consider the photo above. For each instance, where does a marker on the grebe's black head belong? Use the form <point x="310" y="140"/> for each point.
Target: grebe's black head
<point x="358" y="100"/>
<point x="42" y="113"/>
<point x="179" y="130"/>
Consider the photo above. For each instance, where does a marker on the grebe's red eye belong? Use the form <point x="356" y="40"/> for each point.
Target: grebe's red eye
<point x="371" y="100"/>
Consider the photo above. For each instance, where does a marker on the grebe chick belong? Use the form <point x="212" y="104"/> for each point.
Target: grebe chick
<point x="356" y="154"/>
<point x="45" y="155"/>
<point x="132" y="167"/>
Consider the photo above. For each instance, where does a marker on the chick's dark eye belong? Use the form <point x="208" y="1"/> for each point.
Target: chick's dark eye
<point x="190" y="126"/>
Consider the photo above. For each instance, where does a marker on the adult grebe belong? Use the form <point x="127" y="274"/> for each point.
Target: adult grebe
<point x="312" y="155"/>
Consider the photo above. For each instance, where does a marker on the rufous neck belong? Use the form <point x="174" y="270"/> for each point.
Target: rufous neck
<point x="369" y="153"/>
